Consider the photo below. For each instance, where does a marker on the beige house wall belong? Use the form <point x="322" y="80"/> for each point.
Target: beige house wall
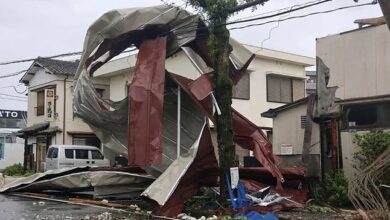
<point x="359" y="66"/>
<point x="358" y="61"/>
<point x="287" y="130"/>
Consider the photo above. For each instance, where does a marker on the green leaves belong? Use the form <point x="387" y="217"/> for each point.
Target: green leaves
<point x="335" y="189"/>
<point x="372" y="144"/>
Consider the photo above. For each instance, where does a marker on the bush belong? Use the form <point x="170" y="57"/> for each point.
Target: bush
<point x="17" y="170"/>
<point x="372" y="145"/>
<point x="14" y="170"/>
<point x="334" y="189"/>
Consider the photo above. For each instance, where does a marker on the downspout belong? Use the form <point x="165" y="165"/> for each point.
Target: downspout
<point x="64" y="113"/>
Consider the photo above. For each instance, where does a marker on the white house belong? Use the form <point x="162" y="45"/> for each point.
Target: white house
<point x="50" y="112"/>
<point x="273" y="79"/>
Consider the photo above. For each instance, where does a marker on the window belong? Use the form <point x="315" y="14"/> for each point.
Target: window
<point x="242" y="89"/>
<point x="97" y="155"/>
<point x="69" y="153"/>
<point x="40" y="102"/>
<point x="86" y="140"/>
<point x="279" y="89"/>
<point x="50" y="152"/>
<point x="367" y="115"/>
<point x="81" y="154"/>
<point x="284" y="89"/>
<point x="303" y="121"/>
<point x="55" y="153"/>
<point x="100" y="92"/>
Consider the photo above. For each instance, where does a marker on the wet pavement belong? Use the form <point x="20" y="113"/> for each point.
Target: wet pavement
<point x="16" y="207"/>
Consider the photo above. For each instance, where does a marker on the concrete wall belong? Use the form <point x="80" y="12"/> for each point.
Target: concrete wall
<point x="287" y="130"/>
<point x="13" y="153"/>
<point x="358" y="61"/>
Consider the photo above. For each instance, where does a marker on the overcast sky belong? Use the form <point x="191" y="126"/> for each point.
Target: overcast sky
<point x="31" y="28"/>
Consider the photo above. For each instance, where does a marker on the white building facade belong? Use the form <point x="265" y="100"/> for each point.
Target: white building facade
<point x="50" y="111"/>
<point x="273" y="79"/>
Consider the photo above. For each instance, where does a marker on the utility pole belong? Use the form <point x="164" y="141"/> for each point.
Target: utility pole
<point x="218" y="12"/>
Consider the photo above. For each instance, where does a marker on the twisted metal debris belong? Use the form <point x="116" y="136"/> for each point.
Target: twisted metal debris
<point x="364" y="192"/>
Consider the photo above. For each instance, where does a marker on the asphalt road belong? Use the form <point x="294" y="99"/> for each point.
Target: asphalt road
<point x="22" y="208"/>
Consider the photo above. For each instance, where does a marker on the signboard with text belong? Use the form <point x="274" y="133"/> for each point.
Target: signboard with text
<point x="286" y="149"/>
<point x="49" y="104"/>
<point x="12" y="114"/>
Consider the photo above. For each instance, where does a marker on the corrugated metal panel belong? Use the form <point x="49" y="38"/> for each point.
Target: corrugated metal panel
<point x="146" y="97"/>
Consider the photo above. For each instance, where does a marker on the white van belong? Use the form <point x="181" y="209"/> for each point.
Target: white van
<point x="59" y="156"/>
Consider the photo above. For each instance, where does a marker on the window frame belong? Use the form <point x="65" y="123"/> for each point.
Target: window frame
<point x="92" y="155"/>
<point x="79" y="150"/>
<point x="71" y="150"/>
<point x="40" y="109"/>
<point x="279" y="76"/>
<point x="249" y="88"/>
<point x="54" y="153"/>
<point x="379" y="117"/>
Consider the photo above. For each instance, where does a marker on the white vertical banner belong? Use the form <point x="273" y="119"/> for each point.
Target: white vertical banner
<point x="49" y="104"/>
<point x="234" y="177"/>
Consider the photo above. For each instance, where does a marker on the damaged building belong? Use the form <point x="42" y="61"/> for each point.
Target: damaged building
<point x="163" y="111"/>
<point x="355" y="65"/>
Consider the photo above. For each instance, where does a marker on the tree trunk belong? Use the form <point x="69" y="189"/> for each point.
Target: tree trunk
<point x="220" y="49"/>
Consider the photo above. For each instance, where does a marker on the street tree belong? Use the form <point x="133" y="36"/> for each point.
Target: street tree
<point x="217" y="12"/>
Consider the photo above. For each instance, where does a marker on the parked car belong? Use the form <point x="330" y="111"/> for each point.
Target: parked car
<point x="59" y="156"/>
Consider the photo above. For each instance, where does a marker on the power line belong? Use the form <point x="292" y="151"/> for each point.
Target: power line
<point x="237" y="21"/>
<point x="302" y="16"/>
<point x="285" y="19"/>
<point x="280" y="13"/>
<point x="24" y="92"/>
<point x="32" y="59"/>
<point x="301" y="6"/>
<point x="3" y="87"/>
<point x="277" y="10"/>
<point x="13" y="96"/>
<point x="12" y="74"/>
<point x="54" y="56"/>
<point x="13" y="99"/>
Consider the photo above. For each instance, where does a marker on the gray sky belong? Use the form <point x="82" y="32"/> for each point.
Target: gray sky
<point x="31" y="28"/>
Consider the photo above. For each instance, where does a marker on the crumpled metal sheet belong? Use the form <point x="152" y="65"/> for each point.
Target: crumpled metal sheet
<point x="296" y="197"/>
<point x="247" y="134"/>
<point x="117" y="30"/>
<point x="161" y="189"/>
<point x="112" y="33"/>
<point x="326" y="96"/>
<point x="202" y="171"/>
<point x="146" y="96"/>
<point x="104" y="183"/>
<point x="41" y="176"/>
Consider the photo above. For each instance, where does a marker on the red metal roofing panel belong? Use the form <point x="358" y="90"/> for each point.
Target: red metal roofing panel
<point x="146" y="97"/>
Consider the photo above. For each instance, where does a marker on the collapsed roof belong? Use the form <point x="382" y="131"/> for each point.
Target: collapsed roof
<point x="143" y="125"/>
